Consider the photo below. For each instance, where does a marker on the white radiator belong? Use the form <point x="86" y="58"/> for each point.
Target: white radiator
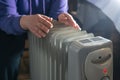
<point x="70" y="54"/>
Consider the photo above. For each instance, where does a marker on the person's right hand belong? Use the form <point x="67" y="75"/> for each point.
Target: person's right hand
<point x="38" y="24"/>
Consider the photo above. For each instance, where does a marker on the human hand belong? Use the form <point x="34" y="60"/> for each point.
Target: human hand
<point x="38" y="24"/>
<point x="67" y="19"/>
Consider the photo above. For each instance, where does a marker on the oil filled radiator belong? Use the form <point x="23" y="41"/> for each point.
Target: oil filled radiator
<point x="70" y="54"/>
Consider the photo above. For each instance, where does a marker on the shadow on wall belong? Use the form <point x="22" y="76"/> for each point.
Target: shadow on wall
<point x="95" y="21"/>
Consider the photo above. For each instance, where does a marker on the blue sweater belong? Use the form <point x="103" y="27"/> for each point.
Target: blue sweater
<point x="12" y="10"/>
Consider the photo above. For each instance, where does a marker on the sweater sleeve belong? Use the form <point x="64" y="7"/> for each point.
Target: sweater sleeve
<point x="9" y="18"/>
<point x="57" y="7"/>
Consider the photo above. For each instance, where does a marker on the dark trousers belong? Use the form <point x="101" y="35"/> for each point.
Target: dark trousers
<point x="11" y="50"/>
<point x="9" y="67"/>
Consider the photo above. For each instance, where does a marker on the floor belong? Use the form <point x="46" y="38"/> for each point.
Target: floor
<point x="24" y="72"/>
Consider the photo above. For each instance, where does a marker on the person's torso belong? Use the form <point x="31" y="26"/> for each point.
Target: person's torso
<point x="33" y="6"/>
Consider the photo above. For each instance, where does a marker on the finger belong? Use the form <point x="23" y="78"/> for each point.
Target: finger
<point x="67" y="19"/>
<point x="63" y="16"/>
<point x="73" y="23"/>
<point x="77" y="27"/>
<point x="47" y="18"/>
<point x="66" y="16"/>
<point x="45" y="22"/>
<point x="43" y="27"/>
<point x="37" y="32"/>
<point x="41" y="33"/>
<point x="33" y="30"/>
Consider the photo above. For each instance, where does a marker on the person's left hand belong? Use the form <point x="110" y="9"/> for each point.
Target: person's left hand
<point x="67" y="19"/>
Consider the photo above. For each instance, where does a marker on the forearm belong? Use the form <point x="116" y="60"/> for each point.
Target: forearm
<point x="11" y="24"/>
<point x="10" y="18"/>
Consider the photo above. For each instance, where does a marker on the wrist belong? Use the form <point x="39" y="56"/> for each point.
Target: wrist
<point x="22" y="22"/>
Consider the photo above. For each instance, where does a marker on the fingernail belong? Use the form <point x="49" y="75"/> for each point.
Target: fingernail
<point x="51" y="19"/>
<point x="79" y="28"/>
<point x="51" y="26"/>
